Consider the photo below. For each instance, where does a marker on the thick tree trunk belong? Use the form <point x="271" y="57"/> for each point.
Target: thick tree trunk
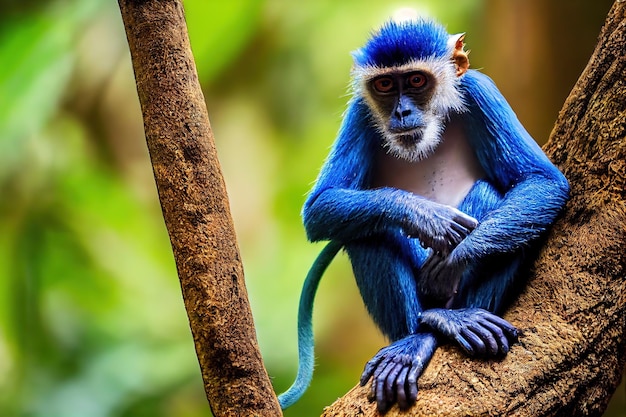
<point x="572" y="315"/>
<point x="196" y="210"/>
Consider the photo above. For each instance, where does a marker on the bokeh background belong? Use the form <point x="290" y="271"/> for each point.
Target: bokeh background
<point x="91" y="318"/>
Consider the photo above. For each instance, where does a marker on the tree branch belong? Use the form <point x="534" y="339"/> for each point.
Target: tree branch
<point x="196" y="210"/>
<point x="572" y="315"/>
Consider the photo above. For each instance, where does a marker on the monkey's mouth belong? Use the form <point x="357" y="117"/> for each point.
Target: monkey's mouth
<point x="408" y="138"/>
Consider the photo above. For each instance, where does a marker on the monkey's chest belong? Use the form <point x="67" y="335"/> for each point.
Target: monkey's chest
<point x="445" y="177"/>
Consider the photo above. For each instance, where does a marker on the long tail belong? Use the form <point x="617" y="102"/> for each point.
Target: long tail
<point x="306" y="357"/>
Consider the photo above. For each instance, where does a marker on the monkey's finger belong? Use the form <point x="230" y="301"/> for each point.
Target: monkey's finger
<point x="478" y="344"/>
<point x="382" y="366"/>
<point x="373" y="386"/>
<point x="382" y="406"/>
<point x="380" y="376"/>
<point x="382" y="400"/>
<point x="370" y="367"/>
<point x="390" y="383"/>
<point x="465" y="220"/>
<point x="497" y="332"/>
<point x="373" y="364"/>
<point x="508" y="328"/>
<point x="401" y="387"/>
<point x="365" y="375"/>
<point x="464" y="344"/>
<point x="380" y="379"/>
<point x="439" y="244"/>
<point x="487" y="337"/>
<point x="454" y="238"/>
<point x="460" y="229"/>
<point x="411" y="379"/>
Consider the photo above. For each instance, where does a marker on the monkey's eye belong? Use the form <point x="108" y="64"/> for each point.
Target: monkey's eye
<point x="417" y="80"/>
<point x="383" y="84"/>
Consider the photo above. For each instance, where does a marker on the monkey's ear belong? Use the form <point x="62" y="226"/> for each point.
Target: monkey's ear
<point x="459" y="56"/>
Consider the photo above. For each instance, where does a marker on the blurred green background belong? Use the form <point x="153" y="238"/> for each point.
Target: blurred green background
<point x="91" y="317"/>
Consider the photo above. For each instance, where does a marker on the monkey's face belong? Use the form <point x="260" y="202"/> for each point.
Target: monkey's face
<point x="401" y="103"/>
<point x="410" y="104"/>
<point x="408" y="72"/>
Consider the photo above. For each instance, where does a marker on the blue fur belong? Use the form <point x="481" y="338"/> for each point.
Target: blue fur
<point x="396" y="43"/>
<point x="519" y="198"/>
<point x="306" y="356"/>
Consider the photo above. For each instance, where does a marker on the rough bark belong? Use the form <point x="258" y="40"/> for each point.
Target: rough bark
<point x="196" y="210"/>
<point x="572" y="315"/>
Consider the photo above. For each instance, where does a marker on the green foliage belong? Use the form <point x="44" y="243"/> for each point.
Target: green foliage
<point x="221" y="31"/>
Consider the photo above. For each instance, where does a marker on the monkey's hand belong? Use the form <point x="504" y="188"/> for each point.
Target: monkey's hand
<point x="395" y="370"/>
<point x="439" y="277"/>
<point x="477" y="331"/>
<point x="440" y="227"/>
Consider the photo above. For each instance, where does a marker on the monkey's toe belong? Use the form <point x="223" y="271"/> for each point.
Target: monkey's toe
<point x="477" y="331"/>
<point x="395" y="369"/>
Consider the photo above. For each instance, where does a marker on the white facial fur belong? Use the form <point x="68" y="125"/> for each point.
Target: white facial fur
<point x="416" y="144"/>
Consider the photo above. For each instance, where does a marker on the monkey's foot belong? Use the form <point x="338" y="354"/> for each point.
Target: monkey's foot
<point x="477" y="331"/>
<point x="395" y="370"/>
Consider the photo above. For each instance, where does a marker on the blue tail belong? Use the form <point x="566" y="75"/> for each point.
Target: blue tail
<point x="306" y="357"/>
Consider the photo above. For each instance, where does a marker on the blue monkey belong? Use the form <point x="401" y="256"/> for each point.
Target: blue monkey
<point x="439" y="197"/>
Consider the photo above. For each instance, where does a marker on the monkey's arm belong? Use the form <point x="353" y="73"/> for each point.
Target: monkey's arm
<point x="341" y="207"/>
<point x="345" y="214"/>
<point x="534" y="189"/>
<point x="526" y="212"/>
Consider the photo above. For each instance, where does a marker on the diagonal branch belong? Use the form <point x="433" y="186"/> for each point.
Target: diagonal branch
<point x="196" y="210"/>
<point x="572" y="315"/>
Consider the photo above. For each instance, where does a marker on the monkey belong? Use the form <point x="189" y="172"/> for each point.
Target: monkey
<point x="439" y="197"/>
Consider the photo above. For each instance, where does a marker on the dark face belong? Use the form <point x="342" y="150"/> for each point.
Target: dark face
<point x="401" y="105"/>
<point x="402" y="99"/>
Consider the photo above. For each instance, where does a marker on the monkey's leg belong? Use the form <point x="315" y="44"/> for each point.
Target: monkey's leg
<point x="471" y="322"/>
<point x="383" y="268"/>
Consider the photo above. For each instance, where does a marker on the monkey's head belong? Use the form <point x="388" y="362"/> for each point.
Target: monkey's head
<point x="408" y="72"/>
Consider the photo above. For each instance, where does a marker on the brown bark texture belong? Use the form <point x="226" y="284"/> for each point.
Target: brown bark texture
<point x="196" y="210"/>
<point x="572" y="314"/>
